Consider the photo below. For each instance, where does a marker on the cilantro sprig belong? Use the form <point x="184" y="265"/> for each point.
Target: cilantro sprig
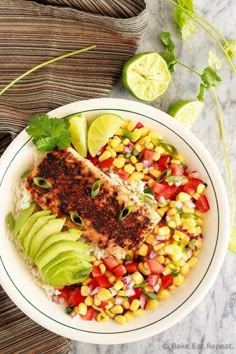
<point x="49" y="133"/>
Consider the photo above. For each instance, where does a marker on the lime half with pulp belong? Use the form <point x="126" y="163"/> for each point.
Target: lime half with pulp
<point x="146" y="76"/>
<point x="232" y="242"/>
<point x="186" y="111"/>
<point x="78" y="130"/>
<point x="100" y="130"/>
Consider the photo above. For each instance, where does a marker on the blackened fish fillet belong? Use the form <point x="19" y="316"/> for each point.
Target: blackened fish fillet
<point x="72" y="178"/>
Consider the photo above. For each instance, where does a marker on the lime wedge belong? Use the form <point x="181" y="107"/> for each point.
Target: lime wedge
<point x="232" y="242"/>
<point x="186" y="111"/>
<point x="78" y="130"/>
<point x="146" y="76"/>
<point x="101" y="129"/>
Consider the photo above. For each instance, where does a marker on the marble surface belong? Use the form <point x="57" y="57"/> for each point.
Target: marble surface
<point x="213" y="322"/>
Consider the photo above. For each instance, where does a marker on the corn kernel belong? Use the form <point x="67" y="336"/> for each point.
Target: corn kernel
<point x="150" y="238"/>
<point x="196" y="196"/>
<point x="162" y="211"/>
<point x="119" y="162"/>
<point x="138" y="147"/>
<point x="136" y="176"/>
<point x="129" y="168"/>
<point x="134" y="305"/>
<point x="134" y="160"/>
<point x="119" y="132"/>
<point x="96" y="263"/>
<point x="121" y="293"/>
<point x="131" y="125"/>
<point x="177" y="219"/>
<point x="105" y="155"/>
<point x="136" y="135"/>
<point x="151" y="304"/>
<point x="104" y="294"/>
<point x="199" y="222"/>
<point x="192" y="262"/>
<point x="138" y="312"/>
<point x="109" y="305"/>
<point x="118" y="285"/>
<point x="184" y="269"/>
<point x="160" y="150"/>
<point x="144" y="131"/>
<point x="119" y="148"/>
<point x="129" y="315"/>
<point x="96" y="300"/>
<point x="126" y="304"/>
<point x="117" y="309"/>
<point x="139" y="166"/>
<point x="130" y="254"/>
<point x="124" y="123"/>
<point x="153" y="172"/>
<point x="114" y="142"/>
<point x="183" y="197"/>
<point x="145" y="170"/>
<point x="159" y="246"/>
<point x="143" y="269"/>
<point x="201" y="188"/>
<point x="172" y="224"/>
<point x="143" y="250"/>
<point x="164" y="231"/>
<point x="178" y="280"/>
<point x="163" y="294"/>
<point x="81" y="309"/>
<point x="172" y="287"/>
<point x="120" y="319"/>
<point x="160" y="259"/>
<point x="102" y="317"/>
<point x="149" y="146"/>
<point x="88" y="301"/>
<point x="173" y="250"/>
<point x="84" y="290"/>
<point x="112" y="279"/>
<point x="137" y="277"/>
<point x="109" y="313"/>
<point x="102" y="268"/>
<point x="172" y="211"/>
<point x="148" y="289"/>
<point x="177" y="162"/>
<point x="196" y="253"/>
<point x="156" y="156"/>
<point x="126" y="141"/>
<point x="199" y="244"/>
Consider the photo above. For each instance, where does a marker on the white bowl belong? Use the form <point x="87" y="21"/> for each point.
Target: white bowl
<point x="16" y="279"/>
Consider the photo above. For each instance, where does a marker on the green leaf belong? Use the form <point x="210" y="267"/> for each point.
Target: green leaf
<point x="10" y="221"/>
<point x="69" y="310"/>
<point x="184" y="23"/>
<point x="151" y="295"/>
<point x="148" y="190"/>
<point x="201" y="93"/>
<point x="45" y="144"/>
<point x="170" y="59"/>
<point x="187" y="4"/>
<point x="167" y="41"/>
<point x="210" y="78"/>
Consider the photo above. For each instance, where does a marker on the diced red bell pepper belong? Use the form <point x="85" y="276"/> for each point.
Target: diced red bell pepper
<point x="148" y="155"/>
<point x="106" y="163"/>
<point x="171" y="240"/>
<point x="94" y="160"/>
<point x="202" y="204"/>
<point x="154" y="266"/>
<point x="96" y="272"/>
<point x="89" y="314"/>
<point x="138" y="292"/>
<point x="103" y="304"/>
<point x="152" y="279"/>
<point x="93" y="283"/>
<point x="123" y="175"/>
<point x="163" y="162"/>
<point x="166" y="281"/>
<point x="65" y="293"/>
<point x="103" y="281"/>
<point x="139" y="125"/>
<point x="191" y="186"/>
<point x="119" y="270"/>
<point x="176" y="170"/>
<point x="110" y="262"/>
<point x="75" y="297"/>
<point x="162" y="189"/>
<point x="131" y="267"/>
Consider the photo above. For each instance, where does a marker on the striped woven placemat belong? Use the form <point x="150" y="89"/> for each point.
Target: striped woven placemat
<point x="31" y="32"/>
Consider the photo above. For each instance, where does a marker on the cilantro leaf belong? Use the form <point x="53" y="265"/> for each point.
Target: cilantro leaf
<point x="49" y="133"/>
<point x="168" y="55"/>
<point x="170" y="59"/>
<point x="230" y="48"/>
<point x="184" y="23"/>
<point x="213" y="61"/>
<point x="201" y="92"/>
<point x="167" y="41"/>
<point x="210" y="78"/>
<point x="187" y="4"/>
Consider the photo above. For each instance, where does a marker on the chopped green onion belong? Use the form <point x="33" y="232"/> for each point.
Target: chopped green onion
<point x="10" y="220"/>
<point x="174" y="274"/>
<point x="151" y="295"/>
<point x="76" y="219"/>
<point x="148" y="190"/>
<point x="26" y="174"/>
<point x="42" y="183"/>
<point x="189" y="215"/>
<point x="174" y="179"/>
<point x="142" y="285"/>
<point x="156" y="142"/>
<point x="95" y="188"/>
<point x="125" y="212"/>
<point x="69" y="310"/>
<point x="169" y="148"/>
<point x="165" y="173"/>
<point x="127" y="134"/>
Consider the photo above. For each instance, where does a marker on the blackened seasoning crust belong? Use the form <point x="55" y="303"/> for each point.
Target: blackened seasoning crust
<point x="72" y="178"/>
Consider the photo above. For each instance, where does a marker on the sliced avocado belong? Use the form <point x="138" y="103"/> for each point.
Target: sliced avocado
<point x="61" y="236"/>
<point x="60" y="247"/>
<point x="29" y="224"/>
<point x="59" y="258"/>
<point x="35" y="228"/>
<point x="67" y="273"/>
<point x="50" y="228"/>
<point x="64" y="267"/>
<point x="23" y="217"/>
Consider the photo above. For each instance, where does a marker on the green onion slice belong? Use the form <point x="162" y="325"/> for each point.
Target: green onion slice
<point x="165" y="173"/>
<point x="95" y="188"/>
<point x="76" y="219"/>
<point x="174" y="179"/>
<point x="26" y="174"/>
<point x="151" y="295"/>
<point x="148" y="190"/>
<point x="42" y="182"/>
<point x="125" y="212"/>
<point x="190" y="215"/>
<point x="169" y="148"/>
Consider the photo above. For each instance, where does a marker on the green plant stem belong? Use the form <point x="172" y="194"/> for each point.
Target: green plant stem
<point x="226" y="155"/>
<point x="193" y="16"/>
<point x="67" y="55"/>
<point x="189" y="68"/>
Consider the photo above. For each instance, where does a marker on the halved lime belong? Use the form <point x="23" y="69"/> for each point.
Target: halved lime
<point x="232" y="242"/>
<point x="146" y="76"/>
<point x="101" y="129"/>
<point x="186" y="111"/>
<point x="78" y="130"/>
